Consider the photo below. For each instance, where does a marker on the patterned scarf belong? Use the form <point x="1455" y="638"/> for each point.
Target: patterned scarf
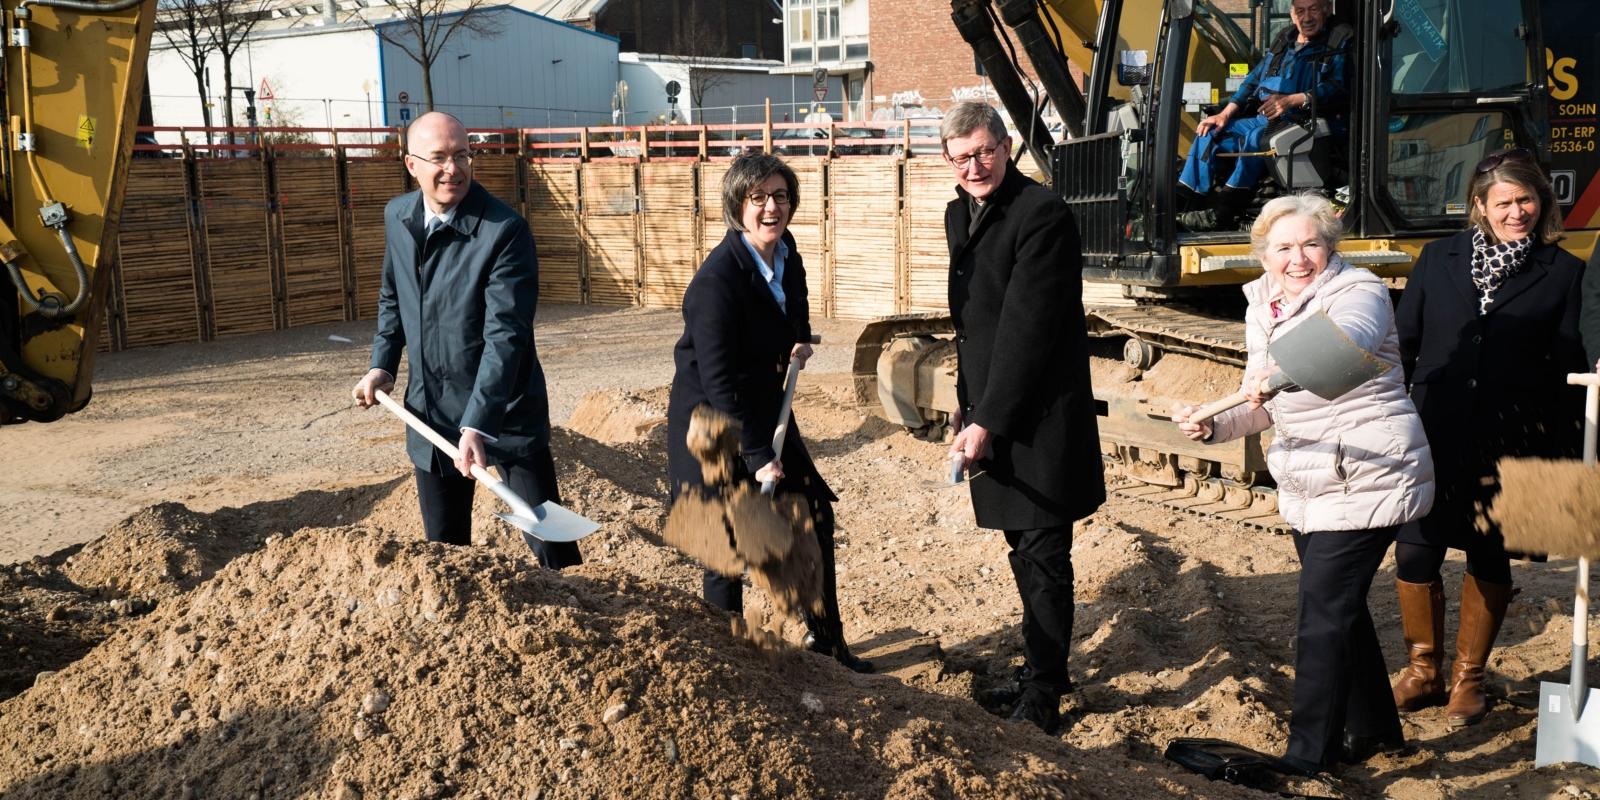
<point x="1493" y="263"/>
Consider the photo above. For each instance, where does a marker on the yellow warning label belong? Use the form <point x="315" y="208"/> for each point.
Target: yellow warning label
<point x="85" y="132"/>
<point x="1238" y="70"/>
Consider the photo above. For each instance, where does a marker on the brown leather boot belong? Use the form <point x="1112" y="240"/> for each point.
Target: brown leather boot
<point x="1483" y="608"/>
<point x="1421" y="684"/>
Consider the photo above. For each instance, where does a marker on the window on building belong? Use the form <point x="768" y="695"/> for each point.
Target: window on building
<point x="627" y="42"/>
<point x="748" y="50"/>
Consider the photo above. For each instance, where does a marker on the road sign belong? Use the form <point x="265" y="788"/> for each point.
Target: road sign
<point x="820" y="92"/>
<point x="672" y="90"/>
<point x="266" y="92"/>
<point x="405" y="113"/>
<point x="819" y="83"/>
<point x="405" y="98"/>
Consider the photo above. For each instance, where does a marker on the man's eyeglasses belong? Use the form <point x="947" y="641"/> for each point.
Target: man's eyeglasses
<point x="761" y="198"/>
<point x="461" y="160"/>
<point x="984" y="156"/>
<point x="1496" y="159"/>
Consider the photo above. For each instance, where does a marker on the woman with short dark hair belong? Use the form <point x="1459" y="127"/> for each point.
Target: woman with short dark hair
<point x="1488" y="330"/>
<point x="745" y="316"/>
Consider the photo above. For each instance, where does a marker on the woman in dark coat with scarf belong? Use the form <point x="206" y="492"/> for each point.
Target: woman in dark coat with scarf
<point x="745" y="316"/>
<point x="1488" y="330"/>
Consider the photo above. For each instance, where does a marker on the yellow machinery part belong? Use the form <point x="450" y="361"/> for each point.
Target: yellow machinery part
<point x="76" y="88"/>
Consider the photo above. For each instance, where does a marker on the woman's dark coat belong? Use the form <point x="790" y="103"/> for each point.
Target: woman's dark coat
<point x="733" y="355"/>
<point x="1488" y="386"/>
<point x="1016" y="295"/>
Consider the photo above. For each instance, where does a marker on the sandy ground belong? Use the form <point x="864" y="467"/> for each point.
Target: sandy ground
<point x="1185" y="625"/>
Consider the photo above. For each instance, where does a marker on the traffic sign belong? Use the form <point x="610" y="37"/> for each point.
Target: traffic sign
<point x="672" y="90"/>
<point x="266" y="92"/>
<point x="820" y="92"/>
<point x="405" y="113"/>
<point x="819" y="84"/>
<point x="404" y="97"/>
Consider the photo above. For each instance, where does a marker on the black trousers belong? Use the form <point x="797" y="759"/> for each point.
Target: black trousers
<point x="728" y="593"/>
<point x="445" y="496"/>
<point x="1341" y="684"/>
<point x="1041" y="560"/>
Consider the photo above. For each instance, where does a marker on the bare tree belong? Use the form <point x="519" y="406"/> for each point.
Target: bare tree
<point x="696" y="45"/>
<point x="182" y="24"/>
<point x="423" y="28"/>
<point x="229" y="22"/>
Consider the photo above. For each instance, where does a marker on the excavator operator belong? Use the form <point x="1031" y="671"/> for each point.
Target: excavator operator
<point x="1304" y="73"/>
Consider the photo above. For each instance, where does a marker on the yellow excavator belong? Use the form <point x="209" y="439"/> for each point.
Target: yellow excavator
<point x="74" y="75"/>
<point x="1435" y="86"/>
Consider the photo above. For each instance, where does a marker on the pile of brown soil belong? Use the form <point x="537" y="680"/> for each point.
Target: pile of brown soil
<point x="345" y="663"/>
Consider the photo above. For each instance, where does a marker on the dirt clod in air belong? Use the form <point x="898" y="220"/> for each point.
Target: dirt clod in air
<point x="731" y="527"/>
<point x="1549" y="507"/>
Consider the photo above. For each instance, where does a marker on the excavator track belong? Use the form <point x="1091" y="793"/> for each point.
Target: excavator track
<point x="1145" y="458"/>
<point x="1151" y="331"/>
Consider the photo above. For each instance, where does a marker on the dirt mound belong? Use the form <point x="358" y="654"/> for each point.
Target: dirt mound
<point x="345" y="663"/>
<point x="159" y="552"/>
<point x="613" y="416"/>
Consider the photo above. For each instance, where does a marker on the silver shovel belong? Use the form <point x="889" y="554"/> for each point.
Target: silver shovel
<point x="1569" y="715"/>
<point x="1315" y="356"/>
<point x="546" y="522"/>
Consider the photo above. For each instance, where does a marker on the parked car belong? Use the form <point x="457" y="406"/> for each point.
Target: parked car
<point x="924" y="136"/>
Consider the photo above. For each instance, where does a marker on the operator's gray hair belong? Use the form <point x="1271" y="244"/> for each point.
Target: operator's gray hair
<point x="744" y="175"/>
<point x="968" y="117"/>
<point x="1310" y="205"/>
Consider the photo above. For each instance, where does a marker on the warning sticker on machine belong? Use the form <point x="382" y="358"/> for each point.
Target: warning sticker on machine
<point x="85" y="132"/>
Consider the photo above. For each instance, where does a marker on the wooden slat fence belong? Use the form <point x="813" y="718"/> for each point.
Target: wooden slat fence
<point x="220" y="246"/>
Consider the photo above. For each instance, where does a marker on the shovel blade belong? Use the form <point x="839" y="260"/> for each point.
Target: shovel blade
<point x="1321" y="359"/>
<point x="552" y="523"/>
<point x="1562" y="738"/>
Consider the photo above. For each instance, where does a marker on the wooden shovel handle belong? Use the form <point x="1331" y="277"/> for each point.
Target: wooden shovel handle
<point x="486" y="476"/>
<point x="1215" y="407"/>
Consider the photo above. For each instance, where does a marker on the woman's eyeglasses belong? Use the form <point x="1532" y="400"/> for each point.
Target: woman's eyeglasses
<point x="1496" y="159"/>
<point x="761" y="198"/>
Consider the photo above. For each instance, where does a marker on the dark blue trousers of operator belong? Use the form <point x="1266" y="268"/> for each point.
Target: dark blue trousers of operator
<point x="1341" y="684"/>
<point x="446" y="499"/>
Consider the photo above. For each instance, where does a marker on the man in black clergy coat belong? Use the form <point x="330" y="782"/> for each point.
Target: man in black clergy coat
<point x="460" y="285"/>
<point x="1026" y="426"/>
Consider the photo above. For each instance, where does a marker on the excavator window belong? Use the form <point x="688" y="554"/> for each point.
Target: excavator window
<point x="1431" y="157"/>
<point x="1453" y="46"/>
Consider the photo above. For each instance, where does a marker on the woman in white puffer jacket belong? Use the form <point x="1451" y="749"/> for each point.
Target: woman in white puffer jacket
<point x="1349" y="471"/>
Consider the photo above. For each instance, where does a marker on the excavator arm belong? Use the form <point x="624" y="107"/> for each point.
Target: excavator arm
<point x="74" y="74"/>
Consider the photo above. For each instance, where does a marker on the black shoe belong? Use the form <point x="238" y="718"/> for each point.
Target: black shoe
<point x="1355" y="749"/>
<point x="838" y="652"/>
<point x="1201" y="221"/>
<point x="1040" y="709"/>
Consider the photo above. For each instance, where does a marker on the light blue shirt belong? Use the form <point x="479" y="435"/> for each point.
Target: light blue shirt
<point x="774" y="273"/>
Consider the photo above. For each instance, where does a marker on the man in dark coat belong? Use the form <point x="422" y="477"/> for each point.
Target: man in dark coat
<point x="1027" y="422"/>
<point x="460" y="285"/>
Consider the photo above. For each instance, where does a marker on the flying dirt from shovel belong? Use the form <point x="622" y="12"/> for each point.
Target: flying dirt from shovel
<point x="1549" y="506"/>
<point x="730" y="526"/>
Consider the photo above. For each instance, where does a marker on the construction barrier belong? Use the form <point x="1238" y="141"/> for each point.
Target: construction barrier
<point x="222" y="240"/>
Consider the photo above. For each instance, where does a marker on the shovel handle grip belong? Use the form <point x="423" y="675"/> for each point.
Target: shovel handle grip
<point x="488" y="478"/>
<point x="1215" y="407"/>
<point x="782" y="431"/>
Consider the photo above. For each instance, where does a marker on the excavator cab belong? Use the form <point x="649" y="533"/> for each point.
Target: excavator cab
<point x="1433" y="86"/>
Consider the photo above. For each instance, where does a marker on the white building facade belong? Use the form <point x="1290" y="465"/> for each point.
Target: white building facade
<point x="537" y="72"/>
